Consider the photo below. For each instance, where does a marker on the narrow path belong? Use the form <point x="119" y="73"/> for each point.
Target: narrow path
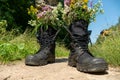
<point x="57" y="71"/>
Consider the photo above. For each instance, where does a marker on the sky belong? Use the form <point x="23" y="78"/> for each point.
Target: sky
<point x="106" y="20"/>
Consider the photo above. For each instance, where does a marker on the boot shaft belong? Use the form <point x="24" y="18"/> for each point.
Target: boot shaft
<point x="79" y="28"/>
<point x="79" y="33"/>
<point x="46" y="38"/>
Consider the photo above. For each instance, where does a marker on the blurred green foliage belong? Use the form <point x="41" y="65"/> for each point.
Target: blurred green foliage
<point x="15" y="12"/>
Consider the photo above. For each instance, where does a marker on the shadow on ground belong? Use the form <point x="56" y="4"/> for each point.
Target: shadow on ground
<point x="59" y="60"/>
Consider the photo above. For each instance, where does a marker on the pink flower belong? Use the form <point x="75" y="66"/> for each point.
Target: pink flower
<point x="67" y="2"/>
<point x="46" y="7"/>
<point x="41" y="14"/>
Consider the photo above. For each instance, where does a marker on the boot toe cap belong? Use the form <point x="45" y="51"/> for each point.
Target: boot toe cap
<point x="94" y="65"/>
<point x="98" y="61"/>
<point x="31" y="61"/>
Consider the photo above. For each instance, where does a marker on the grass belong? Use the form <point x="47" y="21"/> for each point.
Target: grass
<point x="18" y="47"/>
<point x="61" y="51"/>
<point x="109" y="48"/>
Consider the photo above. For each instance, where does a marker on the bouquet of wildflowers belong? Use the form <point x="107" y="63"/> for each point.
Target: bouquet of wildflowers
<point x="59" y="16"/>
<point x="46" y="16"/>
<point x="80" y="9"/>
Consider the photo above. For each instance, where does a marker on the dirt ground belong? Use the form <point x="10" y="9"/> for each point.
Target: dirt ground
<point x="56" y="71"/>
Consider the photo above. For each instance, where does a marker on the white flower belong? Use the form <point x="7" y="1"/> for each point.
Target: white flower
<point x="89" y="8"/>
<point x="32" y="22"/>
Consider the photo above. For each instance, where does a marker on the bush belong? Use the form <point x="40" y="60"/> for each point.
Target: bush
<point x="3" y="25"/>
<point x="15" y="12"/>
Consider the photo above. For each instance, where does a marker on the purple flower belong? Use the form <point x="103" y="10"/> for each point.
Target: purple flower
<point x="67" y="2"/>
<point x="46" y="7"/>
<point x="91" y="3"/>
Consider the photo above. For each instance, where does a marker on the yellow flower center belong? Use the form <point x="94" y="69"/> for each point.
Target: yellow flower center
<point x="85" y="1"/>
<point x="32" y="10"/>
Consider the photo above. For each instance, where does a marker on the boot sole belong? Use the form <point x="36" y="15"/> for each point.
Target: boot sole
<point x="92" y="68"/>
<point x="72" y="63"/>
<point x="40" y="63"/>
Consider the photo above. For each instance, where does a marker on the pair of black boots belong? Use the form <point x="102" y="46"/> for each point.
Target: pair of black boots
<point x="79" y="57"/>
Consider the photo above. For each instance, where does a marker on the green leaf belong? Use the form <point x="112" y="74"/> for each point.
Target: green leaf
<point x="21" y="46"/>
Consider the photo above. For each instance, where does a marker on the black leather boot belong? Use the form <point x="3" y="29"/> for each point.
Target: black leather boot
<point x="46" y="53"/>
<point x="80" y="57"/>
